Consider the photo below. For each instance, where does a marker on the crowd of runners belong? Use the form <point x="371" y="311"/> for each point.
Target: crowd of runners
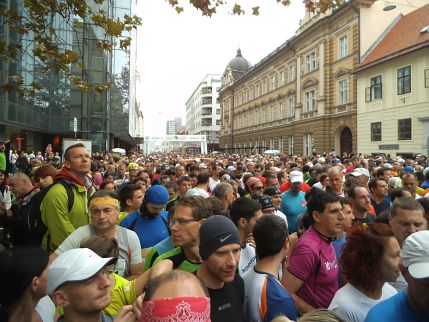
<point x="216" y="237"/>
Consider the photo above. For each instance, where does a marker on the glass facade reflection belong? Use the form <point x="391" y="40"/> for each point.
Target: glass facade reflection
<point x="102" y="117"/>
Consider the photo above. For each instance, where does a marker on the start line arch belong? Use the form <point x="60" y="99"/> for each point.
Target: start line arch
<point x="175" y="138"/>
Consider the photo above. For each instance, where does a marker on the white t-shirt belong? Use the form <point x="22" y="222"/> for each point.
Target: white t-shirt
<point x="197" y="192"/>
<point x="247" y="260"/>
<point x="278" y="213"/>
<point x="213" y="184"/>
<point x="46" y="309"/>
<point x="400" y="283"/>
<point x="352" y="304"/>
<point x="128" y="242"/>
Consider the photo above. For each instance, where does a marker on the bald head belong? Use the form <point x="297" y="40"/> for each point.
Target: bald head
<point x="20" y="184"/>
<point x="176" y="283"/>
<point x="336" y="179"/>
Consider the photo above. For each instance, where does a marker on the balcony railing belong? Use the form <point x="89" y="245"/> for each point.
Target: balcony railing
<point x="206" y="90"/>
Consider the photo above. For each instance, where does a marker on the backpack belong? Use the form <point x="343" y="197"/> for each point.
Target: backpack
<point x="38" y="229"/>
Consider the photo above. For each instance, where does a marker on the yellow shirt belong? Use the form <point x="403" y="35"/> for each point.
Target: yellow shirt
<point x="124" y="293"/>
<point x="122" y="215"/>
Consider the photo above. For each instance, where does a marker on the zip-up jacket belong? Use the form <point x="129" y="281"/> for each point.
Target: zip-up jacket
<point x="54" y="209"/>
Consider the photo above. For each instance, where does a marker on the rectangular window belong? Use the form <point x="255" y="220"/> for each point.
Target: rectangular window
<point x="376" y="131"/>
<point x="263" y="115"/>
<point x="291" y="106"/>
<point x="281" y="110"/>
<point x="264" y="87"/>
<point x="343" y="46"/>
<point x="272" y="113"/>
<point x="404" y="80"/>
<point x="343" y="86"/>
<point x="282" y="78"/>
<point x="404" y="129"/>
<point x="292" y="72"/>
<point x="310" y="101"/>
<point x="273" y="82"/>
<point x="291" y="146"/>
<point x="258" y="90"/>
<point x="308" y="144"/>
<point x="376" y="88"/>
<point x="310" y="62"/>
<point x="256" y="117"/>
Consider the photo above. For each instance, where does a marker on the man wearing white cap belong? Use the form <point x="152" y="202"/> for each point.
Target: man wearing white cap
<point x="293" y="200"/>
<point x="363" y="175"/>
<point x="78" y="281"/>
<point x="412" y="304"/>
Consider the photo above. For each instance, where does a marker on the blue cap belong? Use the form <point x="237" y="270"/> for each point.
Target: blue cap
<point x="409" y="168"/>
<point x="157" y="195"/>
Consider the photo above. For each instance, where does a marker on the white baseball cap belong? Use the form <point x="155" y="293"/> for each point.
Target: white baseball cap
<point x="296" y="176"/>
<point x="75" y="265"/>
<point x="360" y="172"/>
<point x="388" y="166"/>
<point x="415" y="254"/>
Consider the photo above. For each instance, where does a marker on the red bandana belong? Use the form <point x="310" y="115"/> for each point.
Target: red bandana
<point x="191" y="309"/>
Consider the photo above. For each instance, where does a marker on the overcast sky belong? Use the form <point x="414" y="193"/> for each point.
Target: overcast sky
<point x="176" y="51"/>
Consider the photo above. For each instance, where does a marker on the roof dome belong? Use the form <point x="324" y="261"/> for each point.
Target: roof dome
<point x="236" y="68"/>
<point x="239" y="63"/>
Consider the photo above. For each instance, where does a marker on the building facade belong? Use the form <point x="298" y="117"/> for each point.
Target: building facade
<point x="109" y="119"/>
<point x="300" y="98"/>
<point x="174" y="126"/>
<point x="393" y="87"/>
<point x="203" y="110"/>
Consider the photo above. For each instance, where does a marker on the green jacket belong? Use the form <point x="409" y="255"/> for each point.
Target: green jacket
<point x="54" y="211"/>
<point x="2" y="161"/>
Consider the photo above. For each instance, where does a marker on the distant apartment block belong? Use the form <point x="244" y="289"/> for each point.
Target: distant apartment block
<point x="203" y="110"/>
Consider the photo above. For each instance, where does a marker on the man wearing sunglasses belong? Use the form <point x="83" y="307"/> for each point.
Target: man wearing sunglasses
<point x="255" y="186"/>
<point x="189" y="214"/>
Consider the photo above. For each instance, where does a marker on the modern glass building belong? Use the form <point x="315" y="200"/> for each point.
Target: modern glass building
<point x="104" y="118"/>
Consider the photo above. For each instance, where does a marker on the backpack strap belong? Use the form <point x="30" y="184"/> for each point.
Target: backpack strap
<point x="166" y="224"/>
<point x="133" y="224"/>
<point x="123" y="240"/>
<point x="70" y="202"/>
<point x="70" y="195"/>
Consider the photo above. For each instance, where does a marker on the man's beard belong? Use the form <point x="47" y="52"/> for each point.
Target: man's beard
<point x="146" y="213"/>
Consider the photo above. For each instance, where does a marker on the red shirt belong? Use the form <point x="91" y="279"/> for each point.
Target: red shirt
<point x="285" y="187"/>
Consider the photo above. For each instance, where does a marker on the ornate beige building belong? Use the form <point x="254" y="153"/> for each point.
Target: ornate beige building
<point x="302" y="96"/>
